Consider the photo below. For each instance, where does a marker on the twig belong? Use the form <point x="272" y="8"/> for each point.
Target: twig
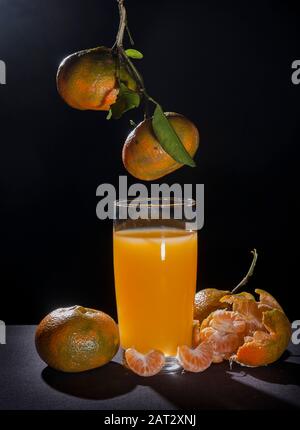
<point x="249" y="274"/>
<point x="129" y="34"/>
<point x="119" y="51"/>
<point x="122" y="25"/>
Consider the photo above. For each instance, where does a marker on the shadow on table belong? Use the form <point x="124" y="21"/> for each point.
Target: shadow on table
<point x="106" y="382"/>
<point x="219" y="388"/>
<point x="222" y="388"/>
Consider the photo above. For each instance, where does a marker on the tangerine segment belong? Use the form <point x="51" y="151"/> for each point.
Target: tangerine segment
<point x="195" y="360"/>
<point x="227" y="322"/>
<point x="218" y="358"/>
<point x="144" y="364"/>
<point x="196" y="334"/>
<point x="248" y="309"/>
<point x="223" y="343"/>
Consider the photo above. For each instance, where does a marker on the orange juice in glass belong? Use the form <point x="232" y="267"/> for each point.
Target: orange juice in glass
<point x="155" y="266"/>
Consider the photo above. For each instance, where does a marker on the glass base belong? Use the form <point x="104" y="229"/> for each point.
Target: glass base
<point x="171" y="366"/>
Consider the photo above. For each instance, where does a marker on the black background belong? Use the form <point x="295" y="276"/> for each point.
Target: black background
<point x="225" y="65"/>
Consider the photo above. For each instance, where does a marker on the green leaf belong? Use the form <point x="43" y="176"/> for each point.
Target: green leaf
<point x="134" y="53"/>
<point x="168" y="138"/>
<point x="109" y="115"/>
<point x="126" y="100"/>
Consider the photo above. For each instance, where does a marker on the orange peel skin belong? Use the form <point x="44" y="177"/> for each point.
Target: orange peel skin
<point x="207" y="301"/>
<point x="266" y="298"/>
<point x="266" y="347"/>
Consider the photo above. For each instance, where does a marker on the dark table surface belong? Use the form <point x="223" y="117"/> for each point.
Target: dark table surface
<point x="27" y="383"/>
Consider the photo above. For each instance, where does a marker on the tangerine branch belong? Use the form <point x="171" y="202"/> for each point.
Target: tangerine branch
<point x="122" y="57"/>
<point x="249" y="274"/>
<point x="122" y="24"/>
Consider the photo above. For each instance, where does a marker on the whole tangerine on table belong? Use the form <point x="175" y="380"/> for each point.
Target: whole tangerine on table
<point x="77" y="339"/>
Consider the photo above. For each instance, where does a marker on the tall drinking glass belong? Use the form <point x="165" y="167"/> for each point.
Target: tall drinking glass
<point x="155" y="266"/>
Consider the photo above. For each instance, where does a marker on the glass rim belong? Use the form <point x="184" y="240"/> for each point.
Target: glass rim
<point x="162" y="202"/>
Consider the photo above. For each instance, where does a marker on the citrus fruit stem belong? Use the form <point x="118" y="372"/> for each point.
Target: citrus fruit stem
<point x="118" y="48"/>
<point x="122" y="24"/>
<point x="249" y="273"/>
<point x="129" y="34"/>
<point x="123" y="58"/>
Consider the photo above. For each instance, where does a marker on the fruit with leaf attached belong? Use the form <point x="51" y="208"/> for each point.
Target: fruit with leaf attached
<point x="88" y="79"/>
<point x="143" y="155"/>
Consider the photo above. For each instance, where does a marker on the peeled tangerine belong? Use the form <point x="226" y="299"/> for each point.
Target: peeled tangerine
<point x="251" y="333"/>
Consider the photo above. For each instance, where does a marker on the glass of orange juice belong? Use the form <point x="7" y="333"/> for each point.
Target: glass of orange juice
<point x="155" y="267"/>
